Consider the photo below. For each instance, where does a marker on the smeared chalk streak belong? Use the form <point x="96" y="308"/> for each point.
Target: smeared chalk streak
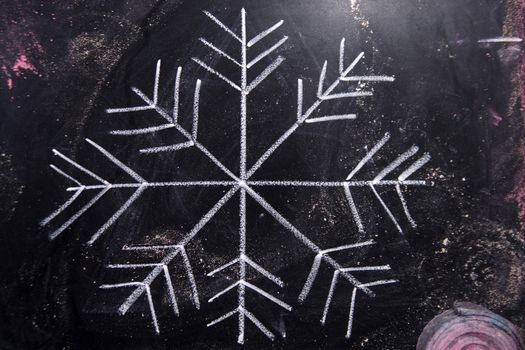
<point x="148" y="130"/>
<point x="219" y="51"/>
<point x="331" y="118"/>
<point x="266" y="52"/>
<point x="213" y="71"/>
<point x="79" y="213"/>
<point x="224" y="291"/>
<point x="168" y="148"/>
<point x="171" y="292"/>
<point x="117" y="162"/>
<point x="299" y="98"/>
<point x="259" y="325"/>
<point x="222" y="25"/>
<point x="331" y="292"/>
<point x="311" y="278"/>
<point x="369" y="155"/>
<point x="80" y="167"/>
<point x="387" y="210"/>
<point x="196" y="97"/>
<point x="322" y="77"/>
<point x="219" y="269"/>
<point x="263" y="271"/>
<point x="264" y="74"/>
<point x="176" y="96"/>
<point x="405" y="206"/>
<point x="353" y="209"/>
<point x="117" y="214"/>
<point x="418" y="164"/>
<point x="384" y="78"/>
<point x="351" y="315"/>
<point x="267" y="295"/>
<point x="346" y="95"/>
<point x="397" y="162"/>
<point x="67" y="176"/>
<point x="264" y="33"/>
<point x="222" y="318"/>
<point x="501" y="40"/>
<point x="62" y="207"/>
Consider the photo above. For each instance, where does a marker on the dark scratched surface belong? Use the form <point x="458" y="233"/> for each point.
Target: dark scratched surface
<point x="63" y="63"/>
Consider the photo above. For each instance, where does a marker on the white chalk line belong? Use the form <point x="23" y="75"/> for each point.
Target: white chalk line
<point x="219" y="51"/>
<point x="265" y="73"/>
<point x="244" y="113"/>
<point x="264" y="33"/>
<point x="196" y="97"/>
<point x="363" y="183"/>
<point x="353" y="209"/>
<point x="369" y="155"/>
<point x="331" y="118"/>
<point x="347" y="95"/>
<point x="299" y="98"/>
<point x="117" y="162"/>
<point x="418" y="164"/>
<point x="266" y="52"/>
<point x="116" y="215"/>
<point x="78" y="214"/>
<point x="331" y="292"/>
<point x="213" y="71"/>
<point x="158" y="184"/>
<point x="501" y="40"/>
<point x="168" y="148"/>
<point x="176" y="96"/>
<point x="259" y="325"/>
<point x="222" y="26"/>
<point x="141" y="131"/>
<point x="404" y="204"/>
<point x="171" y="291"/>
<point x="387" y="210"/>
<point x="397" y="162"/>
<point x="219" y="269"/>
<point x="263" y="271"/>
<point x="223" y="317"/>
<point x="62" y="207"/>
<point x="67" y="176"/>
<point x="382" y="78"/>
<point x="80" y="167"/>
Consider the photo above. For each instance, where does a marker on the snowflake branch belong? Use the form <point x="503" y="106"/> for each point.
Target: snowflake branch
<point x="322" y="95"/>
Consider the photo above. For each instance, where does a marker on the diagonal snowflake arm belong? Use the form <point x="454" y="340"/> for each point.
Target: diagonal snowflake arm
<point x="322" y="95"/>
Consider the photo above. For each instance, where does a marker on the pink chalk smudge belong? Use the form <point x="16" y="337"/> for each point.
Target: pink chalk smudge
<point x="21" y="64"/>
<point x="495" y="118"/>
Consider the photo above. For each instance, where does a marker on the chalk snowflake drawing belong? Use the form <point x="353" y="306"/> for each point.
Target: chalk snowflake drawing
<point x="243" y="185"/>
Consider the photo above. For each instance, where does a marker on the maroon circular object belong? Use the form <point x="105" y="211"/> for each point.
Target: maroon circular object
<point x="469" y="327"/>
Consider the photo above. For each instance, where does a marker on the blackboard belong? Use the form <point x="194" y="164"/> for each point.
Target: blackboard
<point x="277" y="174"/>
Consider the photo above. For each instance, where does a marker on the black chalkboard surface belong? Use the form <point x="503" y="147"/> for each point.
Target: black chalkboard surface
<point x="267" y="174"/>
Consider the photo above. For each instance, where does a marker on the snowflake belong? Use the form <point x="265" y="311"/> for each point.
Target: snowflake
<point x="243" y="185"/>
